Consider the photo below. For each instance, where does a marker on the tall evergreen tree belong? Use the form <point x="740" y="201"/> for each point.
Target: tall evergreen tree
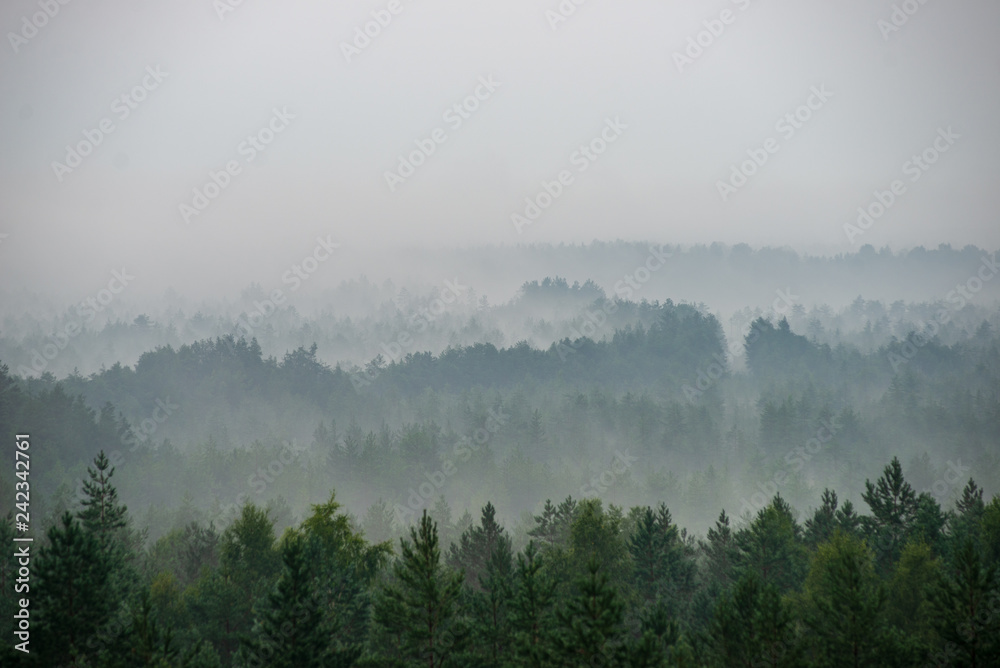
<point x="752" y="627"/>
<point x="590" y="624"/>
<point x="847" y="602"/>
<point x="290" y="630"/>
<point x="966" y="600"/>
<point x="417" y="615"/>
<point x="771" y="547"/>
<point x="490" y="606"/>
<point x="720" y="552"/>
<point x="532" y="616"/>
<point x="820" y="527"/>
<point x="477" y="545"/>
<point x="73" y="600"/>
<point x="102" y="513"/>
<point x="893" y="505"/>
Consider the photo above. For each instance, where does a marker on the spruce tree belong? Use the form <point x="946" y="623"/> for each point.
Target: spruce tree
<point x="418" y="620"/>
<point x="753" y="627"/>
<point x="772" y="548"/>
<point x="590" y="624"/>
<point x="893" y="504"/>
<point x="720" y="553"/>
<point x="819" y="528"/>
<point x="490" y="607"/>
<point x="531" y="610"/>
<point x="102" y="512"/>
<point x="103" y="515"/>
<point x="290" y="630"/>
<point x="476" y="547"/>
<point x="73" y="600"/>
<point x="847" y="604"/>
<point x="966" y="602"/>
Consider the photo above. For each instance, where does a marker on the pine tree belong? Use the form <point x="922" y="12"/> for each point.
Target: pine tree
<point x="661" y="567"/>
<point x="553" y="525"/>
<point x="720" y="552"/>
<point x="753" y="627"/>
<point x="490" y="606"/>
<point x="847" y="604"/>
<point x="290" y="630"/>
<point x="893" y="504"/>
<point x="531" y="610"/>
<point x="966" y="600"/>
<point x="73" y="600"/>
<point x="966" y="522"/>
<point x="417" y="615"/>
<point x="107" y="518"/>
<point x="820" y="527"/>
<point x="848" y="520"/>
<point x="102" y="513"/>
<point x="476" y="547"/>
<point x="772" y="547"/>
<point x="590" y="624"/>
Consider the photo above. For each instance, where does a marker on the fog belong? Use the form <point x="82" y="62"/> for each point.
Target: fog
<point x="548" y="264"/>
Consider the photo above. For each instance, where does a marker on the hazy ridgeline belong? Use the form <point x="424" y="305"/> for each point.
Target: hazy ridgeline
<point x="570" y="387"/>
<point x="565" y="414"/>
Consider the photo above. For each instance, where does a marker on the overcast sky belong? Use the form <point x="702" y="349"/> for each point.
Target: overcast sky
<point x="610" y="67"/>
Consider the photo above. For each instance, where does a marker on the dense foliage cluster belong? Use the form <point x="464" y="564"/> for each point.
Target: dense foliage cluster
<point x="907" y="583"/>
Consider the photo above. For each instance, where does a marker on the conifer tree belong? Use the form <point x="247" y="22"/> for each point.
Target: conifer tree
<point x="73" y="600"/>
<point x="290" y="631"/>
<point x="102" y="513"/>
<point x="847" y="604"/>
<point x="417" y="615"/>
<point x="819" y="528"/>
<point x="490" y="607"/>
<point x="720" y="552"/>
<point x="476" y="547"/>
<point x="590" y="624"/>
<point x="966" y="600"/>
<point x="771" y="547"/>
<point x="531" y="610"/>
<point x="893" y="504"/>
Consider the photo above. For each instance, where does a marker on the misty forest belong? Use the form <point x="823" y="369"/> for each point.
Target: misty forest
<point x="577" y="475"/>
<point x="510" y="334"/>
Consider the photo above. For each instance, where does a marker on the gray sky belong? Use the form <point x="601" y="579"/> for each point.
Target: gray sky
<point x="324" y="174"/>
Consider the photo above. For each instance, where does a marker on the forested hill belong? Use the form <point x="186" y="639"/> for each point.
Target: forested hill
<point x="666" y="393"/>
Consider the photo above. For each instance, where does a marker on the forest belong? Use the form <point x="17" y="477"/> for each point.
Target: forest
<point x="567" y="478"/>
